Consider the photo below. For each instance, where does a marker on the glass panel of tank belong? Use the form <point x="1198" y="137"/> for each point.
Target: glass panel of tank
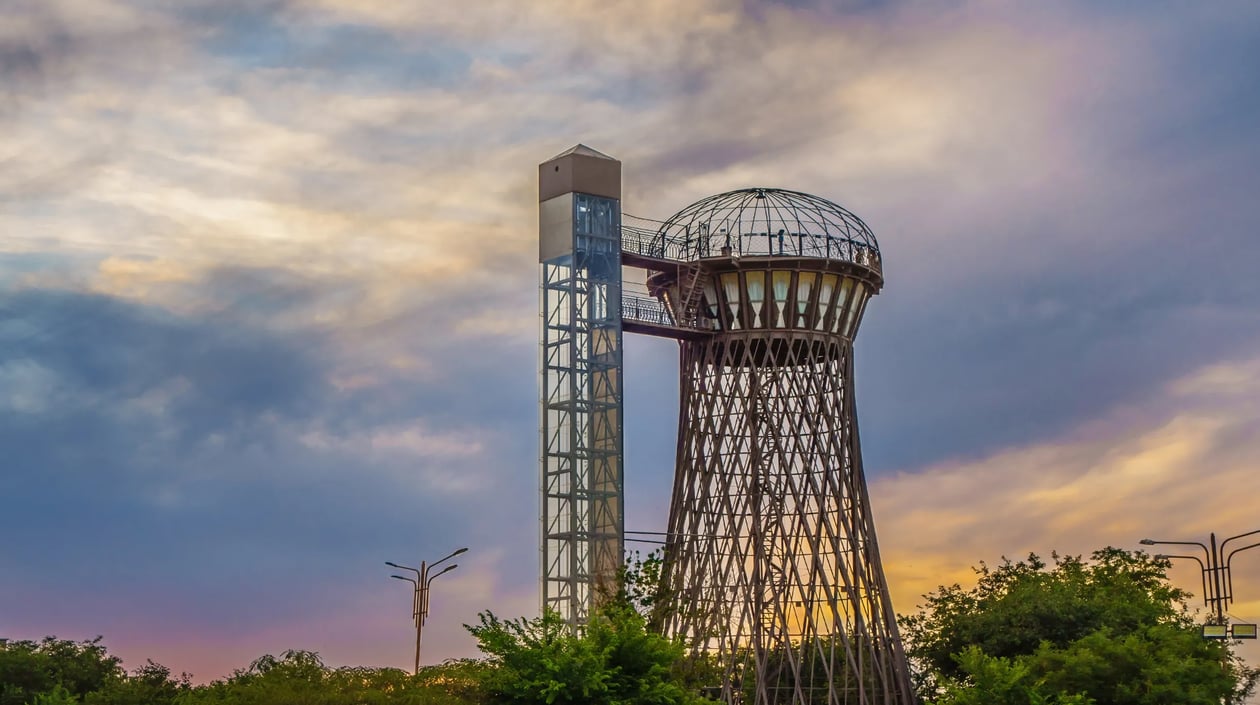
<point x="730" y="287"/>
<point x="756" y="295"/>
<point x="853" y="308"/>
<point x="804" y="288"/>
<point x="782" y="283"/>
<point x="857" y="320"/>
<point x="710" y="302"/>
<point x="842" y="304"/>
<point x="825" y="292"/>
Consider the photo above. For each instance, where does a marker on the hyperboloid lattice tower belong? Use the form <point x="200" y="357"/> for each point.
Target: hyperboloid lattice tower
<point x="771" y="564"/>
<point x="772" y="572"/>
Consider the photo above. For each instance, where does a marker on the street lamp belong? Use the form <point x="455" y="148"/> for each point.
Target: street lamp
<point x="1219" y="590"/>
<point x="420" y="591"/>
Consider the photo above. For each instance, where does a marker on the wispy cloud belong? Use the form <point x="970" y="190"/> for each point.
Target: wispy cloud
<point x="1169" y="468"/>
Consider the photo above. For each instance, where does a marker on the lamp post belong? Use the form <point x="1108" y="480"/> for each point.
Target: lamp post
<point x="420" y="591"/>
<point x="1220" y="590"/>
<point x="1218" y="582"/>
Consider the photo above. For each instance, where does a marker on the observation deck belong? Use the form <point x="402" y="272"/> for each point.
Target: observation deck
<point x="809" y="282"/>
<point x="648" y="315"/>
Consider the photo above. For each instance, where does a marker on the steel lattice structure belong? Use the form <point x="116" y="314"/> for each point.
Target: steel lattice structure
<point x="581" y="424"/>
<point x="772" y="566"/>
<point x="772" y="571"/>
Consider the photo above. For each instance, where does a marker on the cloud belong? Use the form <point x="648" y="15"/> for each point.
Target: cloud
<point x="1164" y="469"/>
<point x="194" y="461"/>
<point x="1176" y="467"/>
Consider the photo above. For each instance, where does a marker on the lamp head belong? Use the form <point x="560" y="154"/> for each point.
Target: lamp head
<point x="1147" y="542"/>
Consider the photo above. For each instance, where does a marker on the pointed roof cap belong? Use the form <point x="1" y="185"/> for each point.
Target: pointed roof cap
<point x="584" y="151"/>
<point x="579" y="170"/>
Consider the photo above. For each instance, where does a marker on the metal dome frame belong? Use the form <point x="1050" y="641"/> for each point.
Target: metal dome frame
<point x="766" y="221"/>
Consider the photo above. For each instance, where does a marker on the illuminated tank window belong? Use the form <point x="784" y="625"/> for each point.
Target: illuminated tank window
<point x="782" y="283"/>
<point x="857" y="320"/>
<point x="804" y="289"/>
<point x="853" y="309"/>
<point x="841" y="309"/>
<point x="730" y="286"/>
<point x="710" y="300"/>
<point x="825" y="293"/>
<point x="756" y="296"/>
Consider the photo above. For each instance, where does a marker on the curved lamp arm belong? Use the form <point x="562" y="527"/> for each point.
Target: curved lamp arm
<point x="424" y="603"/>
<point x="454" y="553"/>
<point x="1202" y="572"/>
<point x="433" y="577"/>
<point x="404" y="567"/>
<point x="1239" y="536"/>
<point x="1153" y="542"/>
<point x="415" y="595"/>
<point x="1229" y="574"/>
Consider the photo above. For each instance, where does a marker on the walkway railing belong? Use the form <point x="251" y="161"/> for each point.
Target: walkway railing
<point x="645" y="309"/>
<point x="646" y="242"/>
<point x="650" y="243"/>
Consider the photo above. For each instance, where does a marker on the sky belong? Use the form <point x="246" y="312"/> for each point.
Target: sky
<point x="268" y="289"/>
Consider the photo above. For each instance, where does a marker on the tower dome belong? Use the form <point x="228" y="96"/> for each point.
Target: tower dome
<point x="767" y="222"/>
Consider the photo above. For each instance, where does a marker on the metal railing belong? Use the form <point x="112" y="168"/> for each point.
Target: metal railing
<point x="646" y="309"/>
<point x="650" y="243"/>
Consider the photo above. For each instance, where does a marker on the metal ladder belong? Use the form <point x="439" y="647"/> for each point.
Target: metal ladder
<point x="692" y="278"/>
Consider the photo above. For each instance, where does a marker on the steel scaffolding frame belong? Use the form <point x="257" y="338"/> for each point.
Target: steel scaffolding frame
<point x="582" y="449"/>
<point x="771" y="571"/>
<point x="772" y="564"/>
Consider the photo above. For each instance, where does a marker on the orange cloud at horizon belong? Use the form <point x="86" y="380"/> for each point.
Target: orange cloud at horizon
<point x="1179" y="467"/>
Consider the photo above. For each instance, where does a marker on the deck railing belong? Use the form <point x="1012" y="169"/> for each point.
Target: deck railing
<point x="645" y="309"/>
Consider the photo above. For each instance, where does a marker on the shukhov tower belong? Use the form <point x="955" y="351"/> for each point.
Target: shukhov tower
<point x="772" y="565"/>
<point x="772" y="571"/>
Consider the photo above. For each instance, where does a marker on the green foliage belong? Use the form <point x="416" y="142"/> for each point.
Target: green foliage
<point x="29" y="669"/>
<point x="151" y="684"/>
<point x="1111" y="630"/>
<point x="992" y="680"/>
<point x="301" y="678"/>
<point x="615" y="659"/>
<point x="57" y="696"/>
<point x="58" y="672"/>
<point x="641" y="585"/>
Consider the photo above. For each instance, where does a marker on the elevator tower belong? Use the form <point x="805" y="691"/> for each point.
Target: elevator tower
<point x="579" y="249"/>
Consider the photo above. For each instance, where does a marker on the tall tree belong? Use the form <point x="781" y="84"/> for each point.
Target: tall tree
<point x="1111" y="630"/>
